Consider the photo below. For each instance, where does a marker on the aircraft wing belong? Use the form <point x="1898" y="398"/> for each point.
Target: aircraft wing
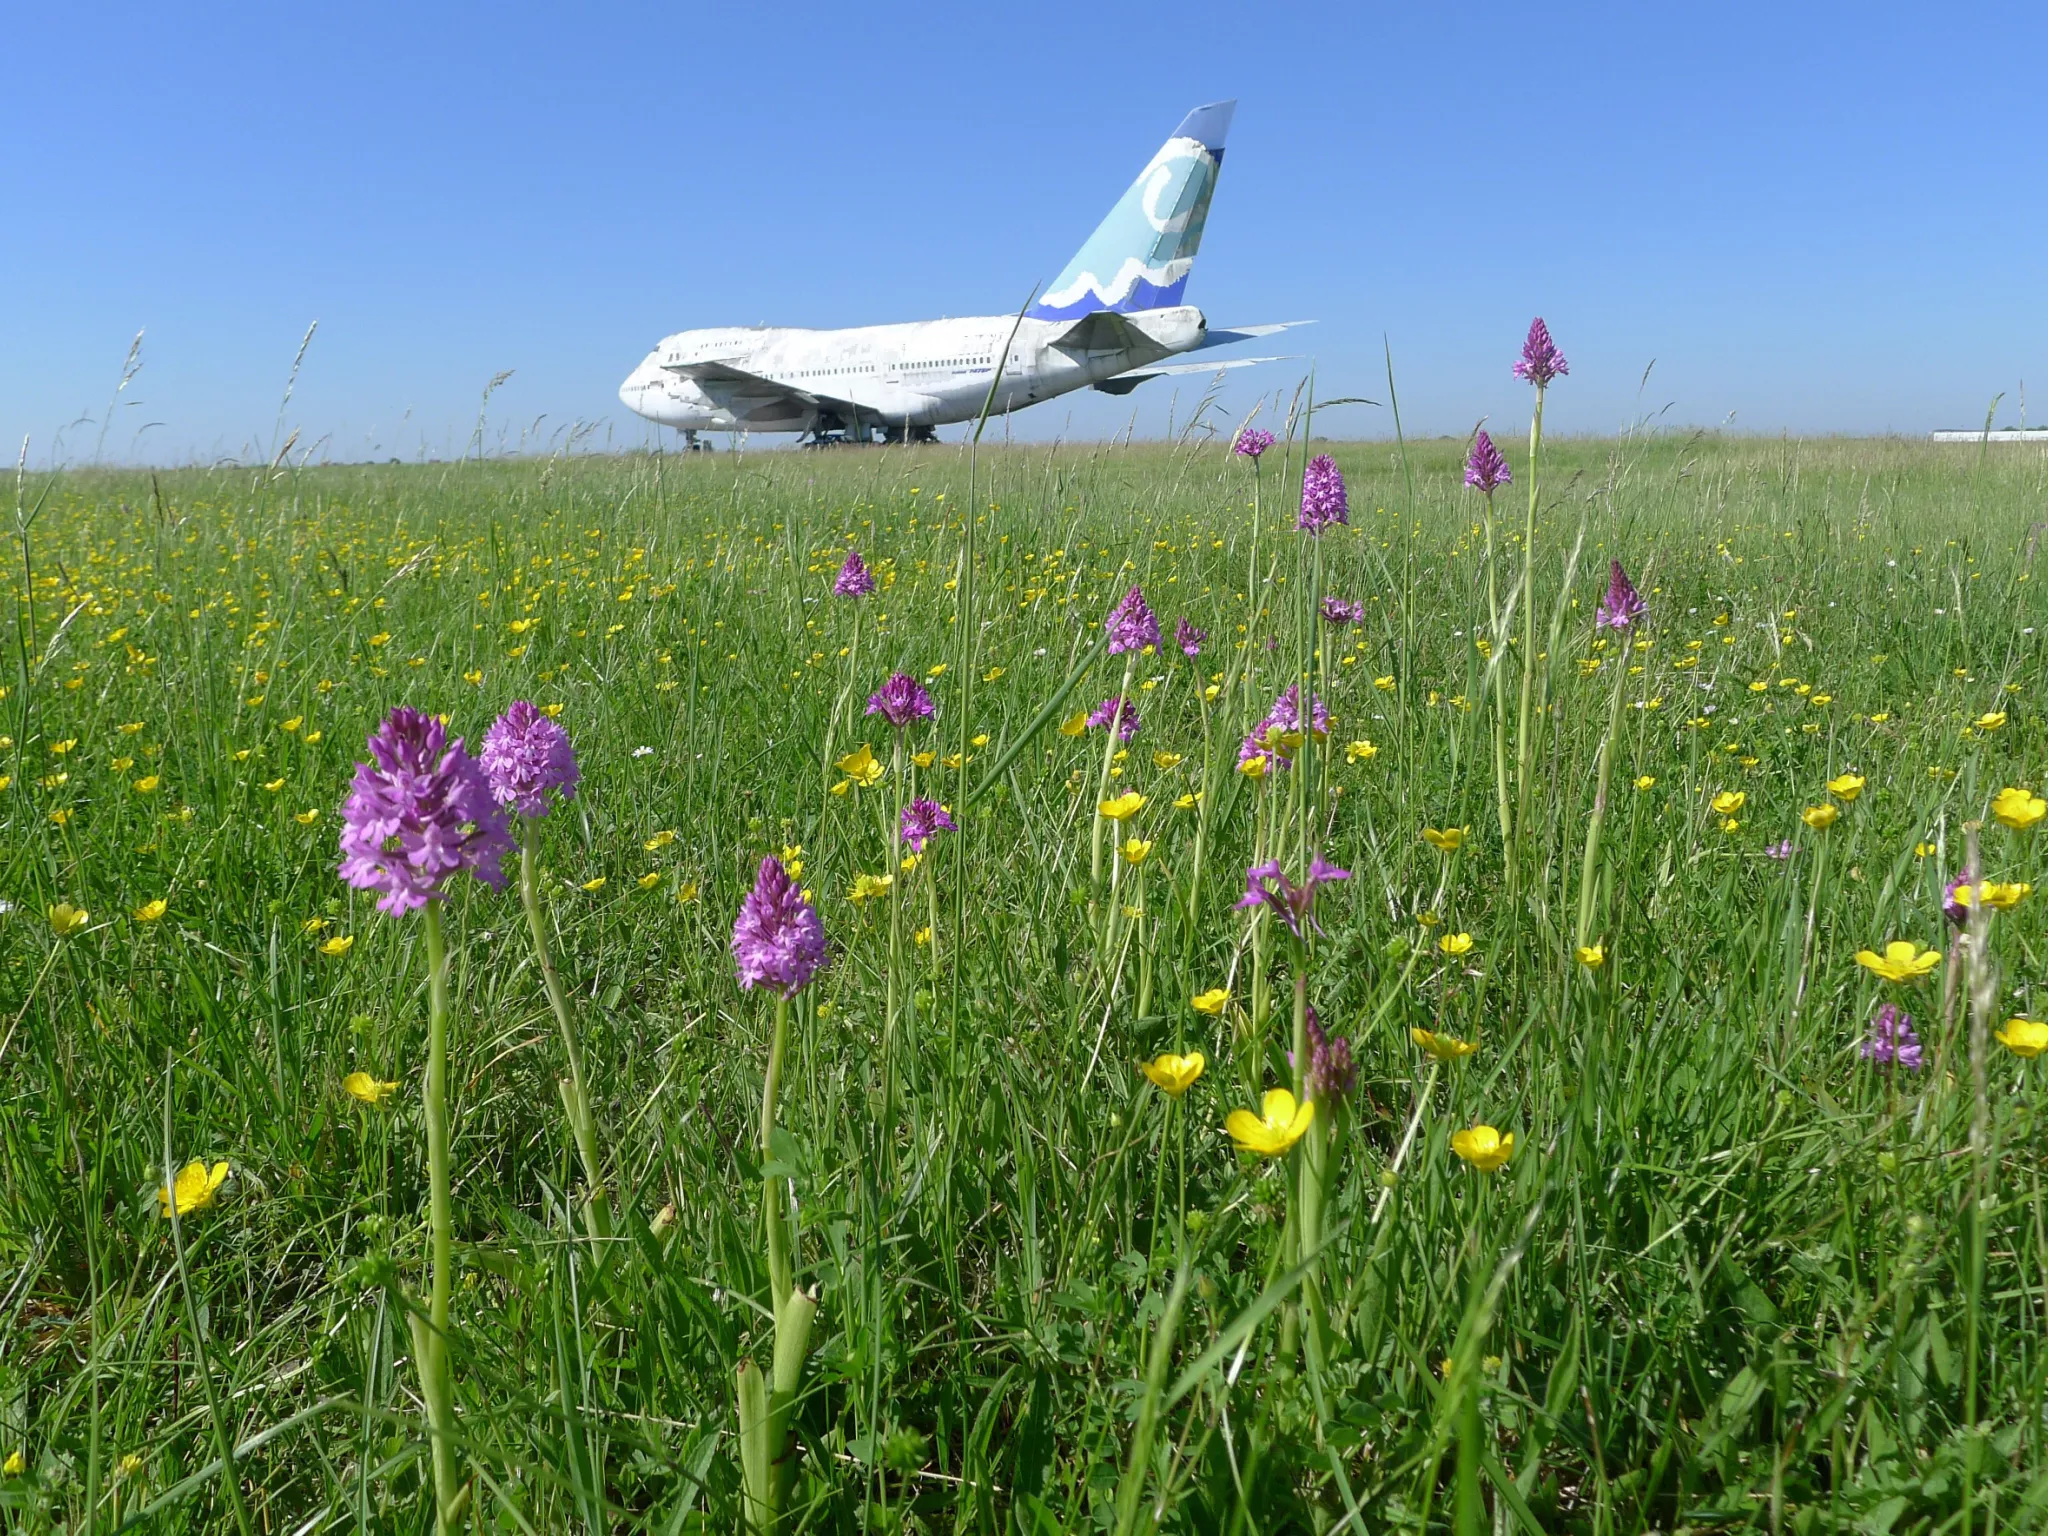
<point x="1226" y="336"/>
<point x="727" y="384"/>
<point x="1124" y="383"/>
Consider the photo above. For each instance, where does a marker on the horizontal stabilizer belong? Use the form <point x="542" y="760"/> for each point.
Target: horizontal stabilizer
<point x="1228" y="335"/>
<point x="1102" y="331"/>
<point x="1124" y="383"/>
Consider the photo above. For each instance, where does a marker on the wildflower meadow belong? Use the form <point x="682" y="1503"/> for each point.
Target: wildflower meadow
<point x="1246" y="984"/>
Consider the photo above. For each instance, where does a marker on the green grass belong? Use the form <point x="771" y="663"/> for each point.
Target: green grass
<point x="1730" y="1278"/>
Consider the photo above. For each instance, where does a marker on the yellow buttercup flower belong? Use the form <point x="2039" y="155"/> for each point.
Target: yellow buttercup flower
<point x="15" y="1465"/>
<point x="1902" y="961"/>
<point x="196" y="1185"/>
<point x="1991" y="720"/>
<point x="1591" y="956"/>
<point x="1442" y="1047"/>
<point x="306" y="818"/>
<point x="67" y="919"/>
<point x="1455" y="944"/>
<point x="596" y="883"/>
<point x="1360" y="751"/>
<point x="1255" y="766"/>
<point x="650" y="880"/>
<point x="148" y="783"/>
<point x="1185" y="803"/>
<point x="1211" y="1002"/>
<point x="1384" y="684"/>
<point x="658" y="841"/>
<point x="338" y="946"/>
<point x="2026" y="1038"/>
<point x="1484" y="1148"/>
<point x="862" y="767"/>
<point x="2001" y="896"/>
<point x="1729" y="801"/>
<point x="868" y="887"/>
<point x="150" y="911"/>
<point x="1135" y="850"/>
<point x="1123" y="806"/>
<point x="1278" y="1125"/>
<point x="360" y="1085"/>
<point x="1847" y="787"/>
<point x="1166" y="762"/>
<point x="686" y="893"/>
<point x="1447" y="838"/>
<point x="793" y="860"/>
<point x="1820" y="817"/>
<point x="1075" y="724"/>
<point x="1173" y="1075"/>
<point x="1646" y="781"/>
<point x="2018" y="808"/>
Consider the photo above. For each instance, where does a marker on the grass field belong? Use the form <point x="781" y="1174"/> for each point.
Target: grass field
<point x="1735" y="1273"/>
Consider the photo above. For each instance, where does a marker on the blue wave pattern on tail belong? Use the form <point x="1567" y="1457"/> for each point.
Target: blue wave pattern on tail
<point x="1139" y="256"/>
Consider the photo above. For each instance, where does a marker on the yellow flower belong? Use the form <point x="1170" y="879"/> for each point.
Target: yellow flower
<point x="2026" y="1038"/>
<point x="1998" y="896"/>
<point x="650" y="880"/>
<point x="1075" y="724"/>
<point x="380" y="639"/>
<point x="1442" y="1047"/>
<point x="1902" y="960"/>
<point x="1646" y="781"/>
<point x="1166" y="762"/>
<point x="292" y="724"/>
<point x="15" y="1465"/>
<point x="595" y="884"/>
<point x="1847" y="787"/>
<point x="1278" y="1125"/>
<point x="840" y="789"/>
<point x="61" y="747"/>
<point x="360" y="1085"/>
<point x="1922" y="850"/>
<point x="274" y="785"/>
<point x="910" y="862"/>
<point x="474" y="677"/>
<point x="1447" y="839"/>
<point x="1990" y="721"/>
<point x="552" y="711"/>
<point x="1184" y="803"/>
<point x="686" y="893"/>
<point x="1135" y="850"/>
<point x="1591" y="956"/>
<point x="1455" y="944"/>
<point x="1729" y="801"/>
<point x="658" y="841"/>
<point x="1123" y="806"/>
<point x="306" y="818"/>
<point x="1360" y="751"/>
<point x="924" y="759"/>
<point x="923" y="936"/>
<point x="867" y="887"/>
<point x="312" y="925"/>
<point x="1211" y="1002"/>
<point x="147" y="784"/>
<point x="1820" y="817"/>
<point x="338" y="946"/>
<point x="2018" y="808"/>
<point x="195" y="1187"/>
<point x="150" y="911"/>
<point x="67" y="919"/>
<point x="1254" y="767"/>
<point x="862" y="768"/>
<point x="979" y="740"/>
<point x="129" y="1465"/>
<point x="1173" y="1075"/>
<point x="793" y="860"/>
<point x="1484" y="1148"/>
<point x="132" y="728"/>
<point x="1384" y="684"/>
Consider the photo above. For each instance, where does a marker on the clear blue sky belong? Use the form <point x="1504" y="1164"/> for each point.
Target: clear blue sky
<point x="1815" y="217"/>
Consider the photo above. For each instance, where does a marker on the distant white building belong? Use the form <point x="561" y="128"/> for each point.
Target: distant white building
<point x="2003" y="435"/>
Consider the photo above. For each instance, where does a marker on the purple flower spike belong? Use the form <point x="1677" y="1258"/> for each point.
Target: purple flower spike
<point x="1117" y="710"/>
<point x="1540" y="361"/>
<point x="854" y="578"/>
<point x="1188" y="638"/>
<point x="902" y="701"/>
<point x="1341" y="610"/>
<point x="1782" y="850"/>
<point x="1324" y="503"/>
<point x="525" y="755"/>
<point x="1267" y="885"/>
<point x="777" y="940"/>
<point x="1332" y="1073"/>
<point x="420" y="811"/>
<point x="1485" y="470"/>
<point x="1252" y="442"/>
<point x="922" y="820"/>
<point x="1891" y="1041"/>
<point x="1622" y="606"/>
<point x="1131" y="625"/>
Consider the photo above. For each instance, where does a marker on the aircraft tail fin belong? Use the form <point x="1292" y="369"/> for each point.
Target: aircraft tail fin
<point x="1139" y="256"/>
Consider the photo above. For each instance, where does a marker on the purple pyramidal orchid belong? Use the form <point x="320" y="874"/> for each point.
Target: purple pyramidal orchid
<point x="1343" y="610"/>
<point x="854" y="578"/>
<point x="922" y="821"/>
<point x="1131" y="625"/>
<point x="1623" y="606"/>
<point x="1324" y="502"/>
<point x="1891" y="1041"/>
<point x="1540" y="361"/>
<point x="1119" y="711"/>
<point x="525" y="755"/>
<point x="419" y="812"/>
<point x="1188" y="638"/>
<point x="778" y="941"/>
<point x="1332" y="1073"/>
<point x="1485" y="470"/>
<point x="1252" y="442"/>
<point x="902" y="701"/>
<point x="1267" y="885"/>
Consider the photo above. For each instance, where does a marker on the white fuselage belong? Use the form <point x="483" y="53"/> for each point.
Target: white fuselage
<point x="918" y="375"/>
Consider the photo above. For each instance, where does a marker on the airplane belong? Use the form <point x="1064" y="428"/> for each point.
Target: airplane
<point x="1108" y="322"/>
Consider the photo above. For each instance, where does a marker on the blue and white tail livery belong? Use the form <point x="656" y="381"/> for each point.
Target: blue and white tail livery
<point x="1139" y="257"/>
<point x="1109" y="321"/>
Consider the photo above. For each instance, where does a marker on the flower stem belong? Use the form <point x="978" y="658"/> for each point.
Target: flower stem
<point x="1589" y="863"/>
<point x="774" y="1189"/>
<point x="575" y="1091"/>
<point x="431" y="1342"/>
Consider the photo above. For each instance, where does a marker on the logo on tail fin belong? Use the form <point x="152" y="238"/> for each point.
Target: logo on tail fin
<point x="1139" y="256"/>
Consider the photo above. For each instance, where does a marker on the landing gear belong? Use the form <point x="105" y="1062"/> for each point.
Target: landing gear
<point x="832" y="430"/>
<point x="690" y="443"/>
<point x="906" y="433"/>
